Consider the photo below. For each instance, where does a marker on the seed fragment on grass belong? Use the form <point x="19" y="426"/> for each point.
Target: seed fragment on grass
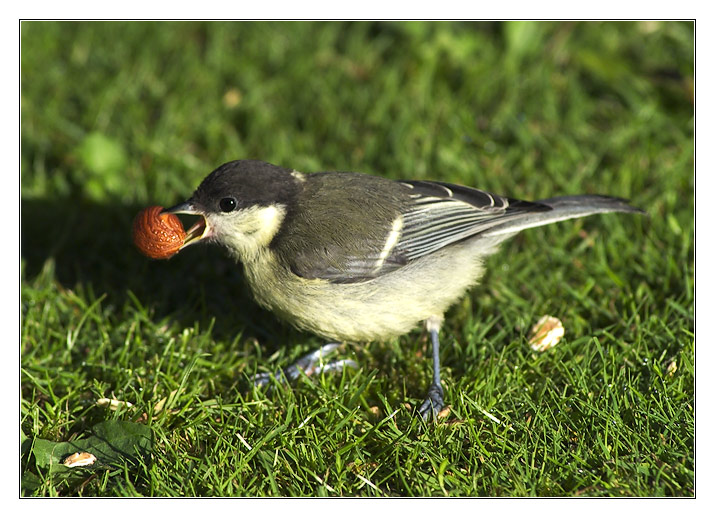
<point x="546" y="333"/>
<point x="79" y="459"/>
<point x="113" y="404"/>
<point x="672" y="367"/>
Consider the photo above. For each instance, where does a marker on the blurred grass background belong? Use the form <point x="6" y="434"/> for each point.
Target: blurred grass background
<point x="119" y="115"/>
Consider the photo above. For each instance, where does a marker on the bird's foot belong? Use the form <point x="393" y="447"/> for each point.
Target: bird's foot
<point x="309" y="364"/>
<point x="433" y="403"/>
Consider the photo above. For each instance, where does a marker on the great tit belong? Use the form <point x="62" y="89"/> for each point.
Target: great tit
<point x="358" y="258"/>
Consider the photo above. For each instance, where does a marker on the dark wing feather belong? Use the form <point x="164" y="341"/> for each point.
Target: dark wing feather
<point x="441" y="214"/>
<point x="317" y="265"/>
<point x="338" y="227"/>
<point x="432" y="215"/>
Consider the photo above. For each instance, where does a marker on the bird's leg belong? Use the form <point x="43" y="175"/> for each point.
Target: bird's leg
<point x="309" y="364"/>
<point x="434" y="402"/>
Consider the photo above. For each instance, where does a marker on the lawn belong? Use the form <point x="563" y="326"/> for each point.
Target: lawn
<point x="120" y="115"/>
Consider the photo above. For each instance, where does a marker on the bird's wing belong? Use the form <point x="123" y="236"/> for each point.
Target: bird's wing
<point x="428" y="217"/>
<point x="441" y="214"/>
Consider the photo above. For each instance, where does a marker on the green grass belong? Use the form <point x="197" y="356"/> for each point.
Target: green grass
<point x="117" y="116"/>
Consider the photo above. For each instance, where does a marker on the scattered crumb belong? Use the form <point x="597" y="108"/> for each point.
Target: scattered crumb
<point x="232" y="98"/>
<point x="672" y="367"/>
<point x="113" y="404"/>
<point x="79" y="459"/>
<point x="546" y="333"/>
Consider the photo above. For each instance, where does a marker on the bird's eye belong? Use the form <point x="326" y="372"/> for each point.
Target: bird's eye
<point x="227" y="204"/>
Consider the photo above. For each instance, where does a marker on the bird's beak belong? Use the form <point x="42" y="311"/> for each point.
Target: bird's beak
<point x="200" y="230"/>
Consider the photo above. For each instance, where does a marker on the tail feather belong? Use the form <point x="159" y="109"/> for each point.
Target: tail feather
<point x="564" y="207"/>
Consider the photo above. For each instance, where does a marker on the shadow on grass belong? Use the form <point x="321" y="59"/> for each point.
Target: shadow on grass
<point x="90" y="246"/>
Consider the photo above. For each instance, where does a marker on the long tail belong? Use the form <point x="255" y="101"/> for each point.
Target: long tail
<point x="563" y="207"/>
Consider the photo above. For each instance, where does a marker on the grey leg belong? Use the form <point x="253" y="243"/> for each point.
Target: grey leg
<point x="434" y="402"/>
<point x="309" y="364"/>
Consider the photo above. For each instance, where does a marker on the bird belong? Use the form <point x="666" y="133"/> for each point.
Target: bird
<point x="353" y="257"/>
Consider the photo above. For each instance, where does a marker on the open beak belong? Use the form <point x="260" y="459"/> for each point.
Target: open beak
<point x="200" y="230"/>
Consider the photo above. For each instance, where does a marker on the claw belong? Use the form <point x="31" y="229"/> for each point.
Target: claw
<point x="433" y="404"/>
<point x="309" y="364"/>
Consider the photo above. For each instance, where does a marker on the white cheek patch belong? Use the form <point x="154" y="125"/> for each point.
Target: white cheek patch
<point x="246" y="231"/>
<point x="262" y="222"/>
